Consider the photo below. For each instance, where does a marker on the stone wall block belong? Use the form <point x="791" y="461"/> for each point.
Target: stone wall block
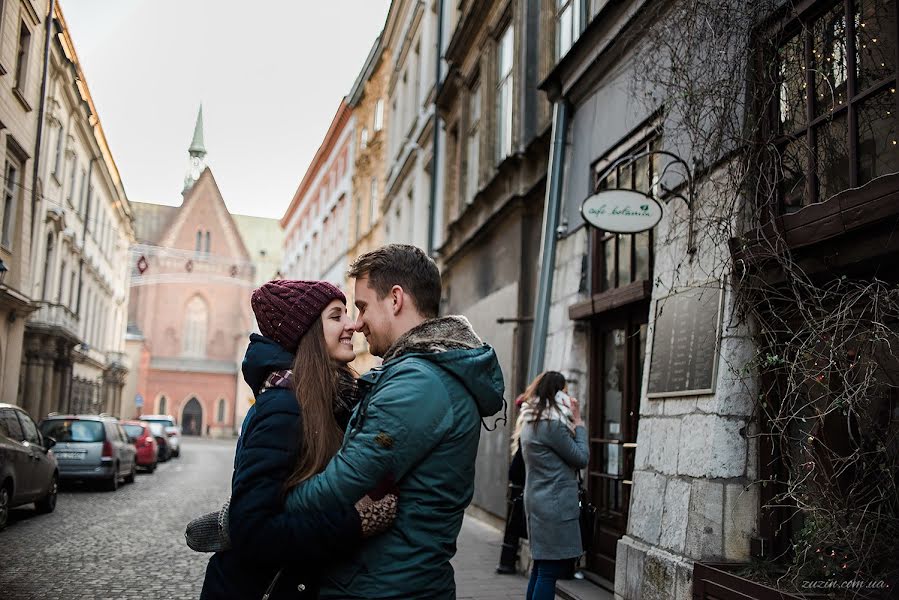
<point x="711" y="446"/>
<point x="674" y="515"/>
<point x="644" y="443"/>
<point x="645" y="520"/>
<point x="683" y="579"/>
<point x="658" y="577"/>
<point x="634" y="579"/>
<point x="740" y="520"/>
<point x="705" y="527"/>
<point x="678" y="406"/>
<point x="737" y="384"/>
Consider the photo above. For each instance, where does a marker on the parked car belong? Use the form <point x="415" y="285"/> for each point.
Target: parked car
<point x="28" y="469"/>
<point x="172" y="431"/>
<point x="91" y="448"/>
<point x="163" y="450"/>
<point x="142" y="437"/>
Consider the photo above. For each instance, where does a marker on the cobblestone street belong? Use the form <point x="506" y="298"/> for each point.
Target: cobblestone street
<point x="124" y="544"/>
<point x="130" y="543"/>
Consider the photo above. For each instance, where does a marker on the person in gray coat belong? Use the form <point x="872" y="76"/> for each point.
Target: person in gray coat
<point x="554" y="445"/>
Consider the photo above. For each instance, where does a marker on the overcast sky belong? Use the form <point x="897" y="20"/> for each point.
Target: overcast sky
<point x="270" y="75"/>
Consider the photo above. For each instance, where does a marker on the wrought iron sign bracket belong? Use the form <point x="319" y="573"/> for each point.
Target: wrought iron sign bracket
<point x="689" y="199"/>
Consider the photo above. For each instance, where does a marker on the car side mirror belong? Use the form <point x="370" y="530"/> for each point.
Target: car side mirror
<point x="49" y="442"/>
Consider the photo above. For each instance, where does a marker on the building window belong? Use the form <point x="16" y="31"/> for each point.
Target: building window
<point x="71" y="302"/>
<point x="195" y="323"/>
<point x="208" y="240"/>
<point x="626" y="257"/>
<point x="48" y="261"/>
<point x="62" y="281"/>
<point x="199" y="244"/>
<point x="162" y="405"/>
<point x="835" y="108"/>
<point x="473" y="144"/>
<point x="363" y="138"/>
<point x="505" y="80"/>
<point x="82" y="195"/>
<point x="379" y="115"/>
<point x="568" y="22"/>
<point x="220" y="416"/>
<point x="372" y="203"/>
<point x="22" y="57"/>
<point x="57" y="159"/>
<point x="73" y="179"/>
<point x="10" y="200"/>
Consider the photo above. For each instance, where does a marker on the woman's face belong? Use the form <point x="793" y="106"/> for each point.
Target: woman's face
<point x="338" y="330"/>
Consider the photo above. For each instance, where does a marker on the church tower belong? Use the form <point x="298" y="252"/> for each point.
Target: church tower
<point x="197" y="153"/>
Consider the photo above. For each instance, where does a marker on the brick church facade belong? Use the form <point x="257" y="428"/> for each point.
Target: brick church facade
<point x="189" y="315"/>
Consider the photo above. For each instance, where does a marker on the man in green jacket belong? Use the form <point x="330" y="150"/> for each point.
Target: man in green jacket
<point x="417" y="427"/>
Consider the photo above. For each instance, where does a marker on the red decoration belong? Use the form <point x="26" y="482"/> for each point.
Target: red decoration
<point x="189" y="266"/>
<point x="233" y="270"/>
<point x="142" y="265"/>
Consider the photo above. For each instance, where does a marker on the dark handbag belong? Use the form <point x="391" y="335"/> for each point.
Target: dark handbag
<point x="587" y="516"/>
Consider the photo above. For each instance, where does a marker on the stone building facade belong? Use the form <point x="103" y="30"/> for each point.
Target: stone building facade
<point x="72" y="356"/>
<point x="497" y="126"/>
<point x="369" y="101"/>
<point x="21" y="32"/>
<point x="317" y="219"/>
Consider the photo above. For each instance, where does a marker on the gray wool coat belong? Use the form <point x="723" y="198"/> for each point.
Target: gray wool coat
<point x="552" y="457"/>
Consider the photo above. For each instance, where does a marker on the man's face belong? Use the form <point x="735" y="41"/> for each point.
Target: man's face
<point x="375" y="317"/>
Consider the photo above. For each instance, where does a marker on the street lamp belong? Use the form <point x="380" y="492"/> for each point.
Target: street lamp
<point x="3" y="270"/>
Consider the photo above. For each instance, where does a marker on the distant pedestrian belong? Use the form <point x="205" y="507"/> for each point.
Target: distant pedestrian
<point x="304" y="392"/>
<point x="554" y="445"/>
<point x="516" y="521"/>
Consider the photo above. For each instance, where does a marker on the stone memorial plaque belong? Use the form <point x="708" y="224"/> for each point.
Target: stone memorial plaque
<point x="684" y="357"/>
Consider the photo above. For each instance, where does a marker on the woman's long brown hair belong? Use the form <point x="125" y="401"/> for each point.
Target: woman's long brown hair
<point x="315" y="386"/>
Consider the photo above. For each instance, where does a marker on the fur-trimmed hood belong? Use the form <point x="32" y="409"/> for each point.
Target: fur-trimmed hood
<point x="451" y="343"/>
<point x="453" y="332"/>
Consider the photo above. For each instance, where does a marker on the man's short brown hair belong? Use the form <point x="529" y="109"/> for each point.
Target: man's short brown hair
<point x="406" y="266"/>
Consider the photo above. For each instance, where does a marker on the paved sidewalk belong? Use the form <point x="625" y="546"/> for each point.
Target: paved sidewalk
<point x="475" y="561"/>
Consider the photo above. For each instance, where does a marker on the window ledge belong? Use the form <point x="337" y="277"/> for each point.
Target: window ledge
<point x="610" y="300"/>
<point x="848" y="211"/>
<point x="21" y="98"/>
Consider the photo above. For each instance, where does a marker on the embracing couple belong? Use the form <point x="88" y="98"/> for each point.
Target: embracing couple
<point x="348" y="487"/>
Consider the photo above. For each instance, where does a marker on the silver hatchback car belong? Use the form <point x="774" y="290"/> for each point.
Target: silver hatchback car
<point x="91" y="447"/>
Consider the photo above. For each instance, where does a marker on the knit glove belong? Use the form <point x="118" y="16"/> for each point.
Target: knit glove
<point x="376" y="515"/>
<point x="209" y="533"/>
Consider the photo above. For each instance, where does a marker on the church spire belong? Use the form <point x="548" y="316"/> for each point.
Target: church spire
<point x="197" y="153"/>
<point x="197" y="148"/>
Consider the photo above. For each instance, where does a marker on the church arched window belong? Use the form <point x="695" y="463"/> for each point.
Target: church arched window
<point x="162" y="405"/>
<point x="196" y="320"/>
<point x="221" y="411"/>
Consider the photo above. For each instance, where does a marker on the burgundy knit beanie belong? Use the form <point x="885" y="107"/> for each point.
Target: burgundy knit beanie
<point x="286" y="308"/>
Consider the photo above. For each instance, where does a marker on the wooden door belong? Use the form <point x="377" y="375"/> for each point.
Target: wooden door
<point x="617" y="349"/>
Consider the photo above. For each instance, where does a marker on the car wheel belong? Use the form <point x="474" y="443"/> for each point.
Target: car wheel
<point x="178" y="452"/>
<point x="112" y="484"/>
<point x="4" y="506"/>
<point x="152" y="468"/>
<point x="48" y="503"/>
<point x="129" y="478"/>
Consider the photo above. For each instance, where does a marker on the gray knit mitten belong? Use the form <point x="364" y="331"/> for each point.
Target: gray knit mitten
<point x="209" y="533"/>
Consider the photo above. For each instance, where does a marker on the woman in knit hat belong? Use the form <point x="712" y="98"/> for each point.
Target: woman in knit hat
<point x="304" y="392"/>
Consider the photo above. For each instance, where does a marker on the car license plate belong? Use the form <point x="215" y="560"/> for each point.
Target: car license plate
<point x="70" y="455"/>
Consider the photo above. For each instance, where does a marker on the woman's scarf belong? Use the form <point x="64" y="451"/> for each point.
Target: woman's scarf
<point x="560" y="412"/>
<point x="347" y="391"/>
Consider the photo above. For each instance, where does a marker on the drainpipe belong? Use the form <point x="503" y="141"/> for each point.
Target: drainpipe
<point x="548" y="242"/>
<point x="438" y="83"/>
<point x="35" y="221"/>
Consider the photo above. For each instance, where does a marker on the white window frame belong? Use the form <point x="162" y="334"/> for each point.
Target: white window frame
<point x="505" y="81"/>
<point x="11" y="195"/>
<point x="378" y="123"/>
<point x="473" y="144"/>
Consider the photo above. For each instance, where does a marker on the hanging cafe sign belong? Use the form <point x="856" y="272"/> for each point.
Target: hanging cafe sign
<point x="621" y="211"/>
<point x="629" y="211"/>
